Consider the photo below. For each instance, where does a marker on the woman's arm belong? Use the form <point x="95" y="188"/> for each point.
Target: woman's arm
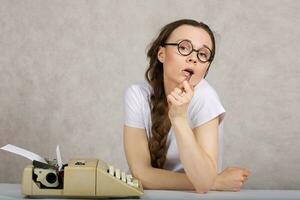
<point x="198" y="151"/>
<point x="139" y="161"/>
<point x="138" y="158"/>
<point x="199" y="161"/>
<point x="161" y="179"/>
<point x="231" y="179"/>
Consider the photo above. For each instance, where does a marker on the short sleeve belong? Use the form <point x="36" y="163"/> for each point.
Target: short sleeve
<point x="205" y="106"/>
<point x="133" y="109"/>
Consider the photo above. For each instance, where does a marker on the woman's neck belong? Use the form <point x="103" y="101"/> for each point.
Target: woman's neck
<point x="169" y="86"/>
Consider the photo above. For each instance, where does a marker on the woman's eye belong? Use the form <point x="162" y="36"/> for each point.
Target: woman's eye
<point x="203" y="55"/>
<point x="183" y="48"/>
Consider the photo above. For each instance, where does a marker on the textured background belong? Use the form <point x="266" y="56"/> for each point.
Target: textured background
<point x="64" y="66"/>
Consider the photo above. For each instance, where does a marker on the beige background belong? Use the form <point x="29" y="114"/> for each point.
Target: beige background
<point x="64" y="66"/>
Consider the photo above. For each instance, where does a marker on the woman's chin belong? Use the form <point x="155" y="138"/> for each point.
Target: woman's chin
<point x="194" y="81"/>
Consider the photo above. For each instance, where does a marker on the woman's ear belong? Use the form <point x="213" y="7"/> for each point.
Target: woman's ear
<point x="161" y="54"/>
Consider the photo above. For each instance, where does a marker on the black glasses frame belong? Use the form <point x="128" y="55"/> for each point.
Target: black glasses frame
<point x="197" y="51"/>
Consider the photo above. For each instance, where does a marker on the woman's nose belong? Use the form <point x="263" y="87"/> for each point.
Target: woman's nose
<point x="192" y="58"/>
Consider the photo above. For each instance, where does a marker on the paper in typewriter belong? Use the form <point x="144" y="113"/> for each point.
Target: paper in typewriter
<point x="23" y="152"/>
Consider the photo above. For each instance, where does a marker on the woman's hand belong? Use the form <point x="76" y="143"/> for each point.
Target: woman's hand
<point x="231" y="179"/>
<point x="179" y="100"/>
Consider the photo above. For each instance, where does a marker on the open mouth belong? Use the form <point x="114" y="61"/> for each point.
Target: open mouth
<point x="188" y="73"/>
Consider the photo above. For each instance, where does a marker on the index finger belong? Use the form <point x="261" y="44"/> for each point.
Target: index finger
<point x="187" y="87"/>
<point x="246" y="172"/>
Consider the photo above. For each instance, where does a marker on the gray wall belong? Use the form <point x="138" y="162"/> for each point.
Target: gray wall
<point x="64" y="66"/>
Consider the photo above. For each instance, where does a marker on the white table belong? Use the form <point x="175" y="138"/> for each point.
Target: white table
<point x="13" y="191"/>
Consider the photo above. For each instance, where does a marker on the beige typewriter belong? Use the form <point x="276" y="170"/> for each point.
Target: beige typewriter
<point x="80" y="178"/>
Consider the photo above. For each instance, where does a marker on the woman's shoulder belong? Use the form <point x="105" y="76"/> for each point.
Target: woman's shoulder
<point x="204" y="89"/>
<point x="205" y="104"/>
<point x="204" y="94"/>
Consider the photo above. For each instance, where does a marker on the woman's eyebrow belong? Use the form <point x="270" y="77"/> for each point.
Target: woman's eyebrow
<point x="180" y="40"/>
<point x="206" y="46"/>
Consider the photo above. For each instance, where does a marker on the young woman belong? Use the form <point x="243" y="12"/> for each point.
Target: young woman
<point x="174" y="121"/>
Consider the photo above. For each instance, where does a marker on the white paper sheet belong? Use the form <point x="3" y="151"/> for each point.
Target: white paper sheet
<point x="23" y="152"/>
<point x="58" y="158"/>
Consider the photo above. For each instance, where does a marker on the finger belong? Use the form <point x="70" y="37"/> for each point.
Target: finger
<point x="246" y="172"/>
<point x="249" y="172"/>
<point x="181" y="86"/>
<point x="187" y="87"/>
<point x="245" y="175"/>
<point x="178" y="91"/>
<point x="177" y="97"/>
<point x="172" y="100"/>
<point x="244" y="179"/>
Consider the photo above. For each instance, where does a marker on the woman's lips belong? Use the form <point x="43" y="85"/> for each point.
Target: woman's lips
<point x="187" y="74"/>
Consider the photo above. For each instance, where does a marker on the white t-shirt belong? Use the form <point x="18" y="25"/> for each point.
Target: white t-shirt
<point x="204" y="106"/>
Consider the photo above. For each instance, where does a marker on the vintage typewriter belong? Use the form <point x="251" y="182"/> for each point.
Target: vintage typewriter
<point x="79" y="178"/>
<point x="83" y="178"/>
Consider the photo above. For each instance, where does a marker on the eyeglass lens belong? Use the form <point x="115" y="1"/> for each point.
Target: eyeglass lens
<point x="185" y="48"/>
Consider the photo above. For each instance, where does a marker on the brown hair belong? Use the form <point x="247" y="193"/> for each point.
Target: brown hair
<point x="158" y="102"/>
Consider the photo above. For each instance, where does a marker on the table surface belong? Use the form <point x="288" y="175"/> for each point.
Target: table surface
<point x="13" y="191"/>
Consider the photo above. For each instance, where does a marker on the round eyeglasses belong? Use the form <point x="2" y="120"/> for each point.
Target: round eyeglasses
<point x="185" y="48"/>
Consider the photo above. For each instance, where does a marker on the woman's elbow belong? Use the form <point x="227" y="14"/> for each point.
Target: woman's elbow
<point x="202" y="189"/>
<point x="136" y="173"/>
<point x="206" y="186"/>
<point x="141" y="175"/>
<point x="145" y="182"/>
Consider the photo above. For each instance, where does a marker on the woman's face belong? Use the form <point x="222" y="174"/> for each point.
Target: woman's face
<point x="175" y="65"/>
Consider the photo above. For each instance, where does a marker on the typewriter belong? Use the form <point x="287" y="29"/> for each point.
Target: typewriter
<point x="80" y="178"/>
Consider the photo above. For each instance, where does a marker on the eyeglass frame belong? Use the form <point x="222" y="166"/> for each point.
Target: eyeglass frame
<point x="197" y="51"/>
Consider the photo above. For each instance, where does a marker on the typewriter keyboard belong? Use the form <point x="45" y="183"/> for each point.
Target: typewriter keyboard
<point x="126" y="178"/>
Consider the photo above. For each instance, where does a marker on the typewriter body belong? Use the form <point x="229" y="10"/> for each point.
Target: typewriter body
<point x="80" y="178"/>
